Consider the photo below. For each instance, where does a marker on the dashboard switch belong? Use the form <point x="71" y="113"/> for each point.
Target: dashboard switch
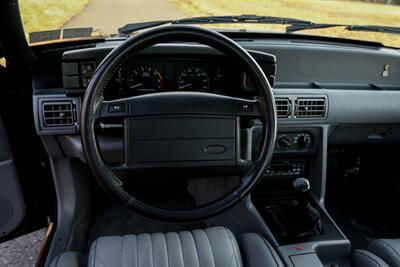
<point x="113" y="108"/>
<point x="87" y="67"/>
<point x="246" y="107"/>
<point x="69" y="68"/>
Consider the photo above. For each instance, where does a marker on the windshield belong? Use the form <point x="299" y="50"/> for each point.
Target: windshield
<point x="104" y="17"/>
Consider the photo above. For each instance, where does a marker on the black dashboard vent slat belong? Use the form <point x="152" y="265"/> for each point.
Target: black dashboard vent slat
<point x="283" y="107"/>
<point x="310" y="107"/>
<point x="58" y="113"/>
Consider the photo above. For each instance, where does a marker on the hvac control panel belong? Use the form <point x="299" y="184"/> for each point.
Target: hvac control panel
<point x="294" y="141"/>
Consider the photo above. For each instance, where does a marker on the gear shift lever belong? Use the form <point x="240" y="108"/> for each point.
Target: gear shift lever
<point x="298" y="219"/>
<point x="301" y="187"/>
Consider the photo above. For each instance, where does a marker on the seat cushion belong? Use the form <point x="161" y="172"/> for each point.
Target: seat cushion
<point x="387" y="249"/>
<point x="210" y="247"/>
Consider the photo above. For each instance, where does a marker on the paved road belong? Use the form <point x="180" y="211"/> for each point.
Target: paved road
<point x="21" y="251"/>
<point x="108" y="15"/>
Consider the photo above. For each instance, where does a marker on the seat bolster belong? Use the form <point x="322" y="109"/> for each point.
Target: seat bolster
<point x="363" y="258"/>
<point x="387" y="249"/>
<point x="256" y="251"/>
<point x="72" y="259"/>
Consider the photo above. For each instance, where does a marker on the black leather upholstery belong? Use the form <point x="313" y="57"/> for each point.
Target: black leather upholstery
<point x="388" y="250"/>
<point x="202" y="248"/>
<point x="362" y="258"/>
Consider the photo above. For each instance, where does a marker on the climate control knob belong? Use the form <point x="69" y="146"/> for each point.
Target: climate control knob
<point x="284" y="142"/>
<point x="304" y="141"/>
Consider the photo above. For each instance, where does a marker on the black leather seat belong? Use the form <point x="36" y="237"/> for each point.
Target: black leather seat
<point x="215" y="246"/>
<point x="388" y="250"/>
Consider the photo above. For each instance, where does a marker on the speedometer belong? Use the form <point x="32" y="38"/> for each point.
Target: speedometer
<point x="194" y="79"/>
<point x="145" y="79"/>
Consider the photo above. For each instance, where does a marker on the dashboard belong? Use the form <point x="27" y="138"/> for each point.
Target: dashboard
<point x="315" y="82"/>
<point x="326" y="93"/>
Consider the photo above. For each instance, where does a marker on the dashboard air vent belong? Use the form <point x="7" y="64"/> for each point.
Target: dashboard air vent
<point x="283" y="107"/>
<point x="310" y="107"/>
<point x="58" y="113"/>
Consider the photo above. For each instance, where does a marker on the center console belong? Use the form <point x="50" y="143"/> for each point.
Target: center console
<point x="286" y="198"/>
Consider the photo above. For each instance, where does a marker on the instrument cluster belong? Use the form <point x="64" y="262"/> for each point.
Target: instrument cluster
<point x="155" y="75"/>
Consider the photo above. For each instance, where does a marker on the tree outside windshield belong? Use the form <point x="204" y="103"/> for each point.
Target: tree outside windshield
<point x="106" y="16"/>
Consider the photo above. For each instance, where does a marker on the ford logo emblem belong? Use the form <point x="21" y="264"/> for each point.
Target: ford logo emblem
<point x="216" y="149"/>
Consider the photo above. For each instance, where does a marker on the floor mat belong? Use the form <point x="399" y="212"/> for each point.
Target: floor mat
<point x="363" y="191"/>
<point x="114" y="219"/>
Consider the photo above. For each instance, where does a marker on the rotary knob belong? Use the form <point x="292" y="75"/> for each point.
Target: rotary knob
<point x="304" y="141"/>
<point x="284" y="142"/>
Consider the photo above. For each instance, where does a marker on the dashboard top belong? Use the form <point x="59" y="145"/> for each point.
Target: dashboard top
<point x="344" y="66"/>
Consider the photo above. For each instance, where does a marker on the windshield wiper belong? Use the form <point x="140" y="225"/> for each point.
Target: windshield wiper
<point x="301" y="27"/>
<point x="361" y="28"/>
<point x="373" y="28"/>
<point x="294" y="24"/>
<point x="132" y="27"/>
<point x="240" y="19"/>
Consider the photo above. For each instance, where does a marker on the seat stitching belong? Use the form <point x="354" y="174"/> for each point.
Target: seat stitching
<point x="195" y="245"/>
<point x="151" y="251"/>
<point x="122" y="256"/>
<point x="94" y="254"/>
<point x="95" y="257"/>
<point x="180" y="245"/>
<point x="58" y="259"/>
<point x="231" y="260"/>
<point x="233" y="247"/>
<point x="212" y="252"/>
<point x="269" y="248"/>
<point x="166" y="247"/>
<point x="390" y="247"/>
<point x="366" y="255"/>
<point x="137" y="251"/>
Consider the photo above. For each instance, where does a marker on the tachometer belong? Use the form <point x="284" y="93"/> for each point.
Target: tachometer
<point x="145" y="79"/>
<point x="194" y="79"/>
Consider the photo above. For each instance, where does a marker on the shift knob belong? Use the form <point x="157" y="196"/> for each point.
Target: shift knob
<point x="301" y="185"/>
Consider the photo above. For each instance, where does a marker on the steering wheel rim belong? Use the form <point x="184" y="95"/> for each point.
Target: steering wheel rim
<point x="91" y="109"/>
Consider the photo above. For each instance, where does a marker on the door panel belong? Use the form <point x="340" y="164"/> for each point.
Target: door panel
<point x="12" y="204"/>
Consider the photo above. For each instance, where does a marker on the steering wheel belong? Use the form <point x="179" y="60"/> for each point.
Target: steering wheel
<point x="187" y="130"/>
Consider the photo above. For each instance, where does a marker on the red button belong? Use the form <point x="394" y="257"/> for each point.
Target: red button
<point x="299" y="247"/>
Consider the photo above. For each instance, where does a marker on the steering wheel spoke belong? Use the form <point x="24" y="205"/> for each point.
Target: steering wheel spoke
<point x="179" y="103"/>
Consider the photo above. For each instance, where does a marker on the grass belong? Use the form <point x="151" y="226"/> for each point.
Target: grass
<point x="322" y="11"/>
<point x="39" y="15"/>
